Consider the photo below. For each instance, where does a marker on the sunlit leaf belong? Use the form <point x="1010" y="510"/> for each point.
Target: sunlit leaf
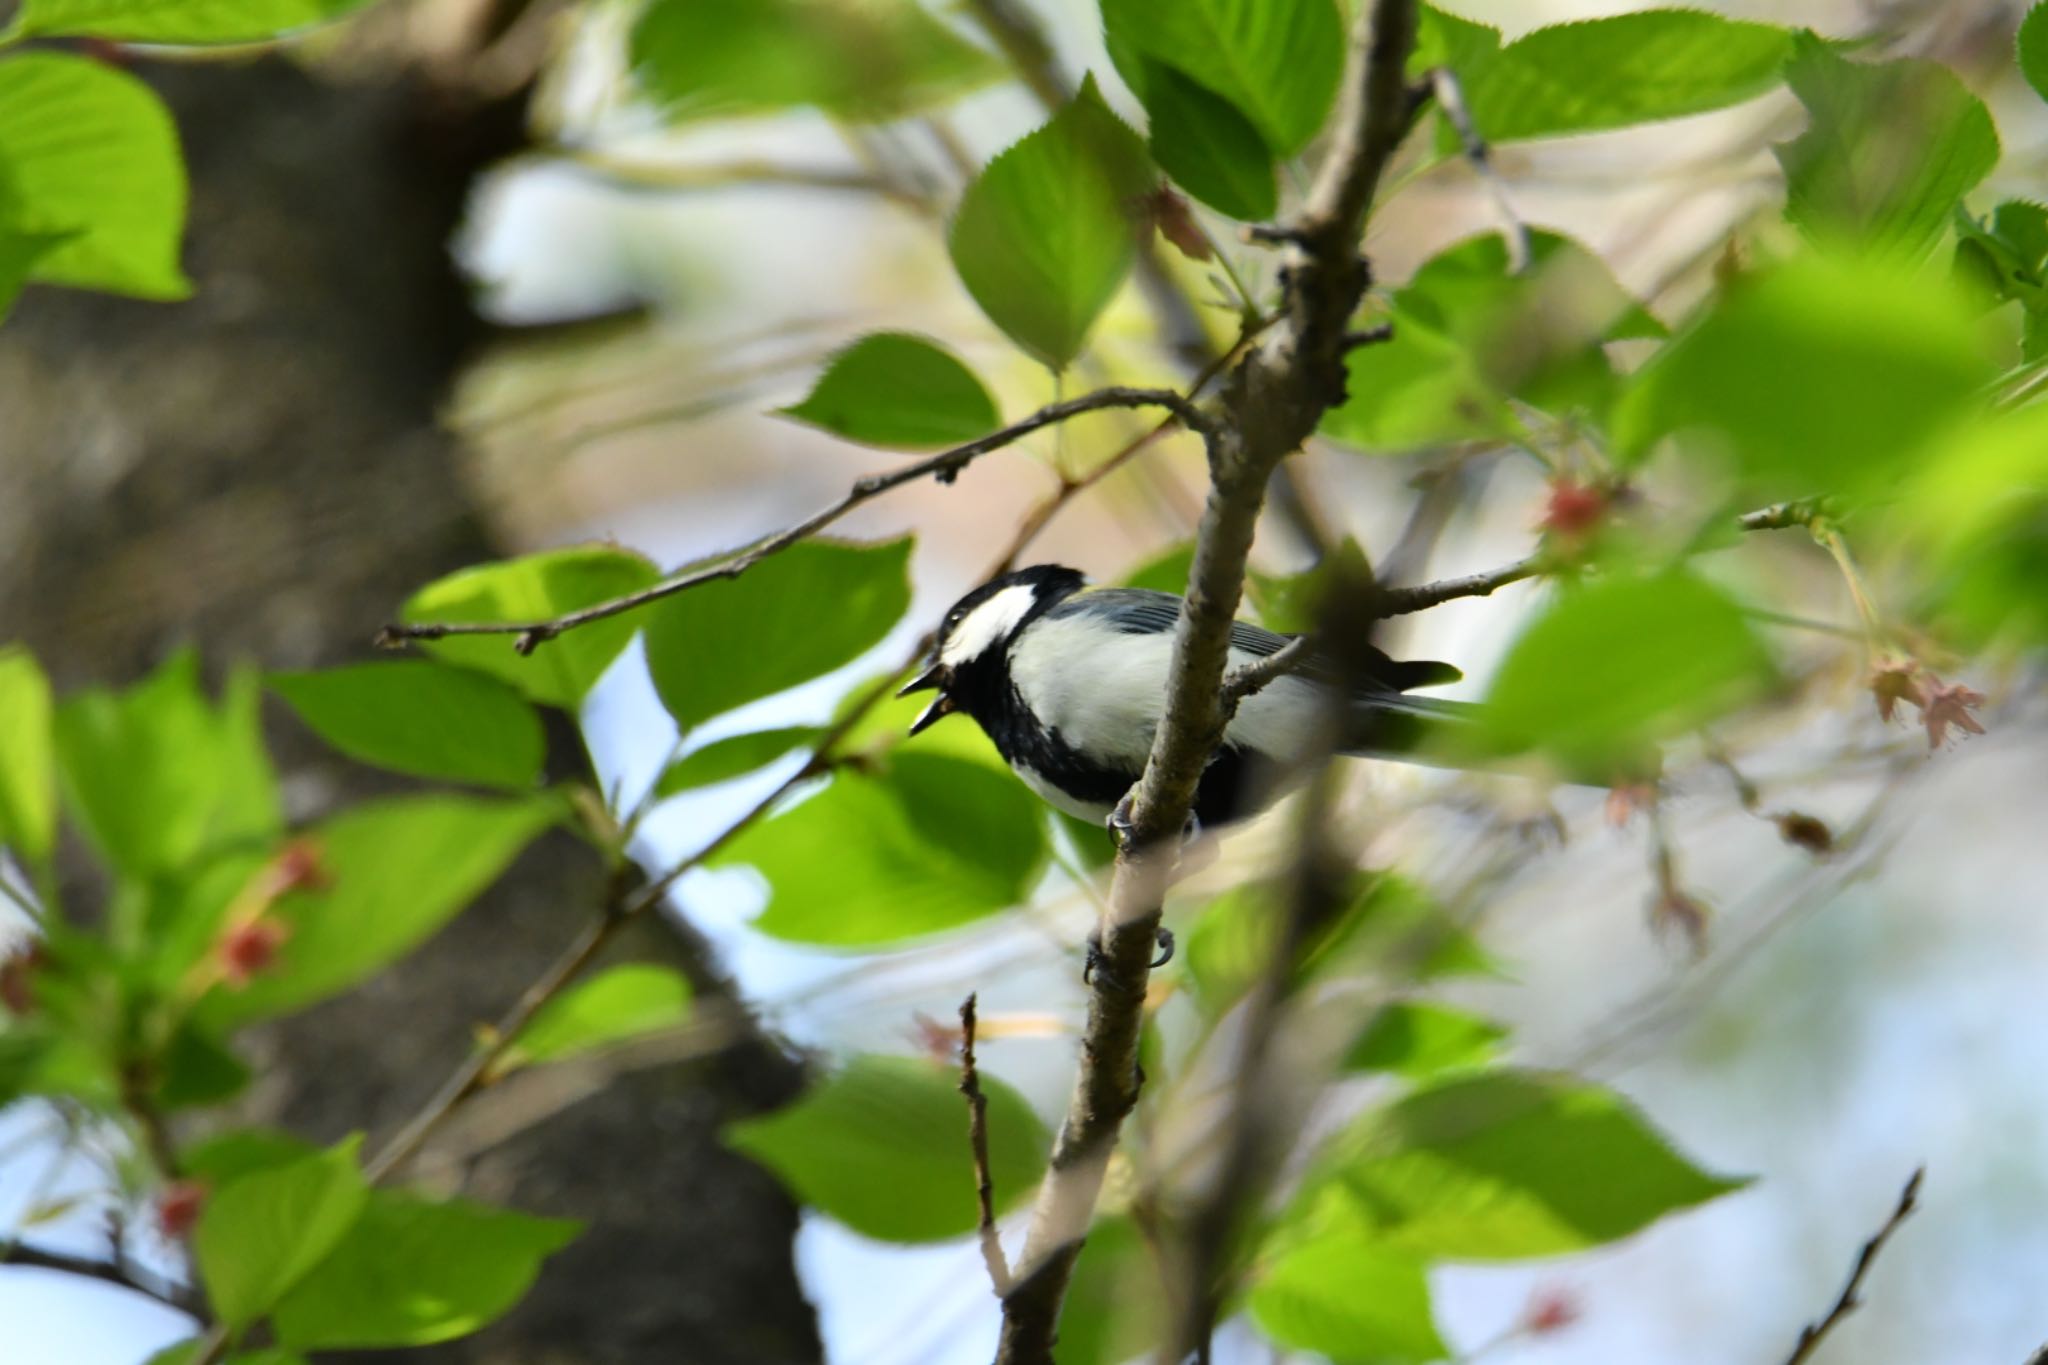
<point x="259" y="1234"/>
<point x="1347" y="1295"/>
<point x="1276" y="61"/>
<point x="1199" y="138"/>
<point x="90" y="153"/>
<point x="616" y="1005"/>
<point x="893" y="389"/>
<point x="2031" y="48"/>
<point x="422" y="718"/>
<point x="28" y="763"/>
<point x="1420" y="1039"/>
<point x="734" y="756"/>
<point x="1045" y="233"/>
<point x="793" y="616"/>
<point x="413" y="1271"/>
<point x="881" y="1145"/>
<point x="1974" y="519"/>
<point x="228" y="1156"/>
<point x="538" y="587"/>
<point x="177" y="21"/>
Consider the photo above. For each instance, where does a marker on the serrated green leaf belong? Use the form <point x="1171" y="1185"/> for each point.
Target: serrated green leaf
<point x="1420" y="1039"/>
<point x="1349" y="1296"/>
<point x="422" y="718"/>
<point x="397" y="870"/>
<point x="1198" y="137"/>
<point x="89" y="153"/>
<point x="1506" y="1165"/>
<point x="412" y="1271"/>
<point x="2031" y="49"/>
<point x="854" y="59"/>
<point x="734" y="756"/>
<point x="1619" y="663"/>
<point x="893" y="389"/>
<point x="882" y="1146"/>
<point x="260" y="1234"/>
<point x="1821" y="376"/>
<point x="176" y="21"/>
<point x="932" y="843"/>
<point x="28" y="760"/>
<point x="797" y="614"/>
<point x="1045" y="234"/>
<point x="533" y="588"/>
<point x="616" y="1005"/>
<point x="155" y="775"/>
<point x="1889" y="150"/>
<point x="1277" y="61"/>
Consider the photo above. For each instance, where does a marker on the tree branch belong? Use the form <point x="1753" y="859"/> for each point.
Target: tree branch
<point x="1271" y="403"/>
<point x="977" y="1140"/>
<point x="1847" y="1303"/>
<point x="184" y="1299"/>
<point x="944" y="467"/>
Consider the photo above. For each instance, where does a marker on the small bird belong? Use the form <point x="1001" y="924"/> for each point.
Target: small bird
<point x="1070" y="683"/>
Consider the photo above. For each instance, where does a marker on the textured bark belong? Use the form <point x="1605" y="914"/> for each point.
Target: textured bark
<point x="259" y="471"/>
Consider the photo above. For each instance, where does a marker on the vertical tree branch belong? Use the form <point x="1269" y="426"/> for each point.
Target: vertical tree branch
<point x="977" y="1140"/>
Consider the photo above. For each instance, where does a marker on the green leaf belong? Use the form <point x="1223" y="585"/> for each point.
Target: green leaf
<point x="1347" y="1295"/>
<point x="734" y="756"/>
<point x="154" y="775"/>
<point x="398" y="869"/>
<point x="176" y="21"/>
<point x="882" y="1147"/>
<point x="1619" y="663"/>
<point x="261" y="1233"/>
<point x="614" y="1006"/>
<point x="1277" y="61"/>
<point x="1200" y="139"/>
<point x="1166" y="571"/>
<point x="1045" y="233"/>
<point x="186" y="1352"/>
<point x="1507" y="1165"/>
<point x="422" y="718"/>
<point x="1612" y="73"/>
<point x="197" y="1068"/>
<point x="853" y="59"/>
<point x="1889" y="149"/>
<point x="89" y="151"/>
<point x="1974" y="520"/>
<point x="795" y="615"/>
<point x="933" y="843"/>
<point x="894" y="389"/>
<point x="20" y="249"/>
<point x="413" y="1271"/>
<point x="1420" y="1039"/>
<point x="1822" y="375"/>
<point x="533" y="588"/>
<point x="28" y="763"/>
<point x="1112" y="1310"/>
<point x="2031" y="48"/>
<point x="229" y="1156"/>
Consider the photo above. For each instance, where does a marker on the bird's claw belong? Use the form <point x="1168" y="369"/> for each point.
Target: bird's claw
<point x="1096" y="962"/>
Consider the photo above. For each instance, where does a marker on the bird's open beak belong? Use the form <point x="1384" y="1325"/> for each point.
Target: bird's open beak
<point x="937" y="676"/>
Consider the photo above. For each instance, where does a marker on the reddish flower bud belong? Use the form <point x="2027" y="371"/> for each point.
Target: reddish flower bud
<point x="1551" y="1309"/>
<point x="1574" y="510"/>
<point x="246" y="950"/>
<point x="297" y="867"/>
<point x="1175" y="220"/>
<point x="1893" y="681"/>
<point x="1949" y="704"/>
<point x="178" y="1206"/>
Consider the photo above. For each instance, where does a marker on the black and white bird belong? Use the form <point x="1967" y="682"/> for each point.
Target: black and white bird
<point x="1070" y="683"/>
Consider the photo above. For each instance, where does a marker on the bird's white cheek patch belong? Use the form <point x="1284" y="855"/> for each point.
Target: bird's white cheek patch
<point x="987" y="624"/>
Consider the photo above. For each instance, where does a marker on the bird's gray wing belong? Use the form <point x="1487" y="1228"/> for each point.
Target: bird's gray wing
<point x="1144" y="611"/>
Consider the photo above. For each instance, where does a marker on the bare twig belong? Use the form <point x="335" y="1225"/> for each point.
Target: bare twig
<point x="1847" y="1303"/>
<point x="944" y="466"/>
<point x="1270" y="404"/>
<point x="977" y="1139"/>
<point x="1450" y="97"/>
<point x="1252" y="677"/>
<point x="653" y="177"/>
<point x="183" y="1298"/>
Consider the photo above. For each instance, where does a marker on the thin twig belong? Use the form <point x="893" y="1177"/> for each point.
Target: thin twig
<point x="653" y="177"/>
<point x="977" y="1140"/>
<point x="1450" y="97"/>
<point x="1810" y="1338"/>
<point x="944" y="467"/>
<point x="183" y="1299"/>
<point x="1249" y="679"/>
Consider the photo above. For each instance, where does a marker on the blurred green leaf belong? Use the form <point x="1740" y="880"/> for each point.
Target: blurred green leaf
<point x="1506" y="1165"/>
<point x="1420" y="1039"/>
<point x="261" y="1233"/>
<point x="178" y="21"/>
<point x="1607" y="73"/>
<point x="1347" y="1295"/>
<point x="2002" y="258"/>
<point x="882" y="1146"/>
<point x="932" y="843"/>
<point x="398" y="869"/>
<point x="854" y="59"/>
<point x="1199" y="138"/>
<point x="186" y="1352"/>
<point x="535" y="588"/>
<point x="795" y="615"/>
<point x="734" y="756"/>
<point x="1112" y="1310"/>
<point x="154" y="775"/>
<point x="2031" y="48"/>
<point x="41" y="1057"/>
<point x="1619" y="663"/>
<point x="89" y="153"/>
<point x="228" y="1156"/>
<point x="893" y="389"/>
<point x="1046" y="232"/>
<point x="1889" y="149"/>
<point x="1820" y="376"/>
<point x="422" y="718"/>
<point x="616" y="1005"/>
<point x="1166" y="571"/>
<point x="413" y="1271"/>
<point x="1277" y="61"/>
<point x="197" y="1068"/>
<point x="28" y="761"/>
<point x="20" y="249"/>
<point x="1974" y="520"/>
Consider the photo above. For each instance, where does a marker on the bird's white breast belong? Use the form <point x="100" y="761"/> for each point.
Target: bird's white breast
<point x="1103" y="690"/>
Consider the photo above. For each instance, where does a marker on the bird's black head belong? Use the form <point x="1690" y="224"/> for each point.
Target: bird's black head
<point x="966" y="665"/>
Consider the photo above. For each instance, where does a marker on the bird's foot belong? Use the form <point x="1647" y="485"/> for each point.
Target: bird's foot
<point x="1096" y="962"/>
<point x="1123" y="826"/>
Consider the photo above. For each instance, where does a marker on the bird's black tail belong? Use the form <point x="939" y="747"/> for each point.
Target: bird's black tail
<point x="1394" y="725"/>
